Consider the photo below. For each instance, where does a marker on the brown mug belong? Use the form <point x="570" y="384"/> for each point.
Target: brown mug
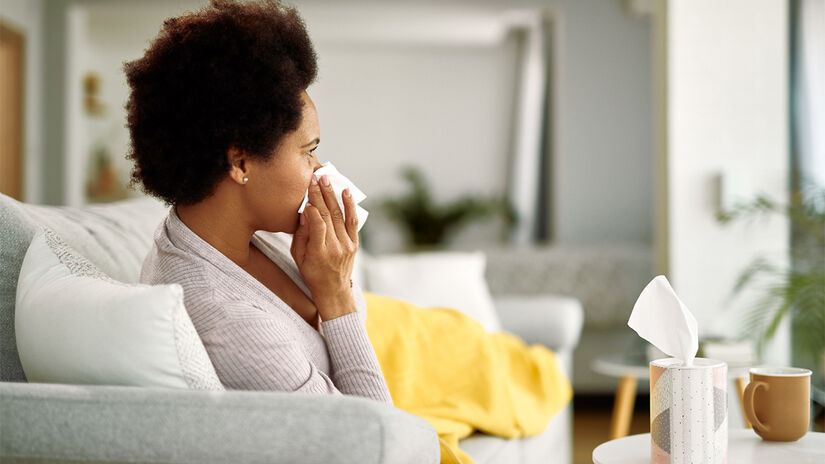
<point x="777" y="402"/>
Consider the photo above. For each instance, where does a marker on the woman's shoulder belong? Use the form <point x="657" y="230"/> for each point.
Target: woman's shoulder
<point x="178" y="255"/>
<point x="213" y="295"/>
<point x="210" y="302"/>
<point x="165" y="263"/>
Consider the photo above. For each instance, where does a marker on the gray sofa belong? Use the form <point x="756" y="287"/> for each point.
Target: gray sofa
<point x="90" y="423"/>
<point x="605" y="278"/>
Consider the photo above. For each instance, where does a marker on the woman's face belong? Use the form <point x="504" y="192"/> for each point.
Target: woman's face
<point x="277" y="187"/>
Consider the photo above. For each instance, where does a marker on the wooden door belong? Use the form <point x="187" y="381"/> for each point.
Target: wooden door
<point x="11" y="112"/>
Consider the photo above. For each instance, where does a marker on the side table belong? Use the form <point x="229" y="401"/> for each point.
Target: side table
<point x="629" y="369"/>
<point x="744" y="447"/>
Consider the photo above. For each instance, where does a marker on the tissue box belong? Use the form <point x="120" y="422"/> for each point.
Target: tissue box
<point x="688" y="411"/>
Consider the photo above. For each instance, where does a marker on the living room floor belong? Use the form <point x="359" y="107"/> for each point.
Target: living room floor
<point x="591" y="423"/>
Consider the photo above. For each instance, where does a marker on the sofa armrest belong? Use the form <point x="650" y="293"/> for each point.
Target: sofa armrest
<point x="550" y="320"/>
<point x="53" y="423"/>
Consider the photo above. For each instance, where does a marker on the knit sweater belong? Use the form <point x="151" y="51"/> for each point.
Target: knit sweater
<point x="254" y="339"/>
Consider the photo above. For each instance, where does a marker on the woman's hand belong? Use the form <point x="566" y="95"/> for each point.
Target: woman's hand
<point x="324" y="249"/>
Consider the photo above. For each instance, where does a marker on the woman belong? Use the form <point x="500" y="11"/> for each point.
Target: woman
<point x="224" y="131"/>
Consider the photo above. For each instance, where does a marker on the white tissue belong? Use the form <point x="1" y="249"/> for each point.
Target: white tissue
<point x="660" y="317"/>
<point x="339" y="183"/>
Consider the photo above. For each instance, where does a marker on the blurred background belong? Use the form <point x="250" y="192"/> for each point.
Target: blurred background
<point x="590" y="144"/>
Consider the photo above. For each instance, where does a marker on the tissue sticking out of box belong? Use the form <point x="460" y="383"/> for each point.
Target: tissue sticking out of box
<point x="660" y="317"/>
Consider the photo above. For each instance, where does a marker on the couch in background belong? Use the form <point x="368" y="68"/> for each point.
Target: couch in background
<point x="606" y="279"/>
<point x="91" y="423"/>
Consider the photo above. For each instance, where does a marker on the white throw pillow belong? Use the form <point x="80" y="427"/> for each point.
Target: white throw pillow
<point x="74" y="324"/>
<point x="448" y="279"/>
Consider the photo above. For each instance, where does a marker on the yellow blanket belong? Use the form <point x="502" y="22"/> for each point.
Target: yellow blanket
<point x="443" y="366"/>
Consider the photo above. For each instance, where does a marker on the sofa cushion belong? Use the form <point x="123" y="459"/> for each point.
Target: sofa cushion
<point x="605" y="278"/>
<point x="555" y="441"/>
<point x="16" y="231"/>
<point x="447" y="279"/>
<point x="115" y="237"/>
<point x="76" y="325"/>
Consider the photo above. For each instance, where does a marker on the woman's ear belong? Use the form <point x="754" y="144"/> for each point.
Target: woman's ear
<point x="238" y="167"/>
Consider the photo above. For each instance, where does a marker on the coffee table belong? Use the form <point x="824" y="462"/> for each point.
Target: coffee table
<point x="744" y="447"/>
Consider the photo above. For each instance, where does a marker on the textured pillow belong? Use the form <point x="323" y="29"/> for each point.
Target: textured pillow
<point x="443" y="279"/>
<point x="74" y="324"/>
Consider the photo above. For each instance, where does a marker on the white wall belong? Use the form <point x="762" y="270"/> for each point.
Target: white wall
<point x="726" y="75"/>
<point x="114" y="34"/>
<point x="372" y="123"/>
<point x="76" y="124"/>
<point x="604" y="164"/>
<point x="25" y="16"/>
<point x="601" y="171"/>
<point x="444" y="107"/>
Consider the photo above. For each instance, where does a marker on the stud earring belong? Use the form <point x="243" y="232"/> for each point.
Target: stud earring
<point x="245" y="179"/>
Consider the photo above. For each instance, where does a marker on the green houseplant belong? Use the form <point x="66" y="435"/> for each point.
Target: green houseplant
<point x="798" y="290"/>
<point x="427" y="225"/>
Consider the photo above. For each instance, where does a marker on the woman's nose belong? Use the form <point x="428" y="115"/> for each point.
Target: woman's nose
<point x="316" y="165"/>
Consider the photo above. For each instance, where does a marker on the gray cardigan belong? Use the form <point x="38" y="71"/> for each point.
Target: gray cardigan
<point x="254" y="339"/>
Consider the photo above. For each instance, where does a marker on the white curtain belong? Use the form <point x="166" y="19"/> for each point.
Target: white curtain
<point x="810" y="90"/>
<point x="525" y="173"/>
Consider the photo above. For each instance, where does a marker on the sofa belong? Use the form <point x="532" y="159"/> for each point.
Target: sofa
<point x="605" y="278"/>
<point x="42" y="422"/>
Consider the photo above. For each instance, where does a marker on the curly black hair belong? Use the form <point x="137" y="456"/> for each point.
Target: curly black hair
<point x="228" y="75"/>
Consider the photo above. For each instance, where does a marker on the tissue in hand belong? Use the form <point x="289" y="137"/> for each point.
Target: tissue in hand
<point x="660" y="317"/>
<point x="339" y="183"/>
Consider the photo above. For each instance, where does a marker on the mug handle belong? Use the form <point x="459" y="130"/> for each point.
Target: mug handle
<point x="750" y="413"/>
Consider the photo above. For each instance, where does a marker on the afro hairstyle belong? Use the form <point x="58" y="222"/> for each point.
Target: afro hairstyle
<point x="228" y="75"/>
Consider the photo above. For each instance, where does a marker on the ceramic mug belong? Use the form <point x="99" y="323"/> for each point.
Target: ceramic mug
<point x="688" y="411"/>
<point x="777" y="402"/>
